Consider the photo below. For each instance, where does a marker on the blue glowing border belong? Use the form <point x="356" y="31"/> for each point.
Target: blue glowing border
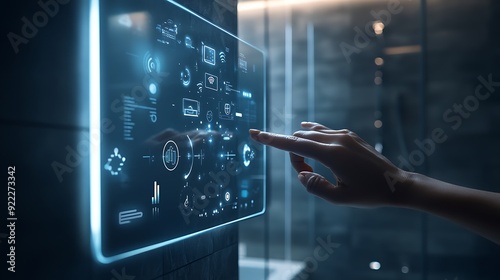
<point x="95" y="149"/>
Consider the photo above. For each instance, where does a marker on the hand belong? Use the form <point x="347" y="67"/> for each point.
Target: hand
<point x="365" y="178"/>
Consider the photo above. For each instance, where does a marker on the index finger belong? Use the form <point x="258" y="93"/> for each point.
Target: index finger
<point x="300" y="146"/>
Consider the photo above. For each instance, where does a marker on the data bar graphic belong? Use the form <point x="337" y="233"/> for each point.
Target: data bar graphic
<point x="156" y="194"/>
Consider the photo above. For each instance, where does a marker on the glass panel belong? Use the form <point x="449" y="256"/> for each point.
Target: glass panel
<point x="393" y="72"/>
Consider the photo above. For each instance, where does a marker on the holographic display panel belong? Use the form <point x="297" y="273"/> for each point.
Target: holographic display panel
<point x="177" y="97"/>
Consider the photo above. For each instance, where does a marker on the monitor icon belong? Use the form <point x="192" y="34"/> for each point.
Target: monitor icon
<point x="190" y="107"/>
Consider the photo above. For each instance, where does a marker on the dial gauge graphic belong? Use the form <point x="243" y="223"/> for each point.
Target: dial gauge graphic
<point x="186" y="77"/>
<point x="115" y="162"/>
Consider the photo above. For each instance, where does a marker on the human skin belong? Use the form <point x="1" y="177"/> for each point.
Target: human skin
<point x="367" y="179"/>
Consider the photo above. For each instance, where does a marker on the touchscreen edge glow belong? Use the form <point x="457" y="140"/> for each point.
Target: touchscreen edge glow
<point x="95" y="147"/>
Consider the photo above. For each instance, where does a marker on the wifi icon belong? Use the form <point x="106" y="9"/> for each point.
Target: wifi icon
<point x="151" y="64"/>
<point x="222" y="57"/>
<point x="200" y="87"/>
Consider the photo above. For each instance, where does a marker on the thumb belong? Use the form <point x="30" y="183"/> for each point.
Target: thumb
<point x="318" y="185"/>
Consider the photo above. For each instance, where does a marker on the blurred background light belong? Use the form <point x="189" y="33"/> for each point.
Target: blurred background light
<point x="378" y="27"/>
<point x="405" y="269"/>
<point x="375" y="265"/>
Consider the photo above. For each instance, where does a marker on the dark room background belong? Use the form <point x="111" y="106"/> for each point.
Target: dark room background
<point x="393" y="84"/>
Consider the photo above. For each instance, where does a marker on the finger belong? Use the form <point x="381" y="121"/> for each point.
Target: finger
<point x="318" y="136"/>
<point x="319" y="127"/>
<point x="361" y="140"/>
<point x="299" y="164"/>
<point x="336" y="131"/>
<point x="313" y="126"/>
<point x="318" y="185"/>
<point x="300" y="146"/>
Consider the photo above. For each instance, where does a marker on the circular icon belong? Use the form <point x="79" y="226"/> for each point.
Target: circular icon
<point x="210" y="116"/>
<point x="151" y="64"/>
<point x="170" y="155"/>
<point x="248" y="155"/>
<point x="186" y="77"/>
<point x="227" y="196"/>
<point x="115" y="162"/>
<point x="153" y="88"/>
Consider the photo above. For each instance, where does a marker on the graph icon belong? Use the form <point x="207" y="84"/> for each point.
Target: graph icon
<point x="170" y="155"/>
<point x="155" y="199"/>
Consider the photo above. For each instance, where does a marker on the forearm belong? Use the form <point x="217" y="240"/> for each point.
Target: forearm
<point x="477" y="210"/>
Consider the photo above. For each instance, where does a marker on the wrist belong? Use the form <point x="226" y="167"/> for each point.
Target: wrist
<point x="405" y="189"/>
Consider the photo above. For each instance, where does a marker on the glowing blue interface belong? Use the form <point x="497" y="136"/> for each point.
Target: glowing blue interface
<point x="177" y="97"/>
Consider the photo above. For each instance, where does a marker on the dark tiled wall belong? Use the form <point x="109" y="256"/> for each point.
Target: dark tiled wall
<point x="43" y="119"/>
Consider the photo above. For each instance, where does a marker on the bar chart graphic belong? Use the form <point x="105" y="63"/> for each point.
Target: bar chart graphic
<point x="155" y="199"/>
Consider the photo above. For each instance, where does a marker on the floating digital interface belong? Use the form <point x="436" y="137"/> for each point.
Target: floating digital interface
<point x="176" y="98"/>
